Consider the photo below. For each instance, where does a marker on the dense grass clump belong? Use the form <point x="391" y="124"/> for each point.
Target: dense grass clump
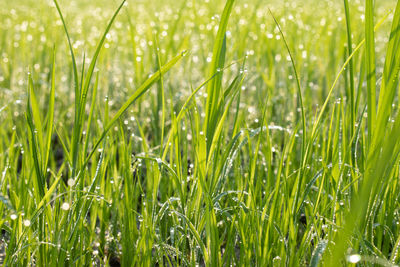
<point x="199" y="133"/>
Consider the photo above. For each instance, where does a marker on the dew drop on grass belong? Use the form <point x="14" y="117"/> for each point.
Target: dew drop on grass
<point x="277" y="258"/>
<point x="65" y="206"/>
<point x="354" y="258"/>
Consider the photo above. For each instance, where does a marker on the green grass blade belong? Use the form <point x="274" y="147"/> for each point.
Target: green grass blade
<point x="370" y="65"/>
<point x="75" y="70"/>
<point x="91" y="112"/>
<point x="39" y="181"/>
<point x="48" y="194"/>
<point x="390" y="76"/>
<point x="317" y="253"/>
<point x="351" y="68"/>
<point x="218" y="59"/>
<point x="50" y="120"/>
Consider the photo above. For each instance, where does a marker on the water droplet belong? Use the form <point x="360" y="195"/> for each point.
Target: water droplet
<point x="65" y="206"/>
<point x="353" y="258"/>
<point x="71" y="182"/>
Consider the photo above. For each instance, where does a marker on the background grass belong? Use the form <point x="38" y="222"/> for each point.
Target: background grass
<point x="188" y="133"/>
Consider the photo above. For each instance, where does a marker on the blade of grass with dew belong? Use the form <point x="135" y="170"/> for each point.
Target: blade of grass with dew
<point x="317" y="122"/>
<point x="217" y="63"/>
<point x="390" y="76"/>
<point x="218" y="131"/>
<point x="162" y="96"/>
<point x="91" y="112"/>
<point x="39" y="183"/>
<point x="370" y="65"/>
<point x="380" y="154"/>
<point x="50" y="120"/>
<point x="303" y="118"/>
<point x="185" y="107"/>
<point x="351" y="68"/>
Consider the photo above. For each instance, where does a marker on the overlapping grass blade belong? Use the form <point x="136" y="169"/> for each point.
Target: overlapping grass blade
<point x="136" y="95"/>
<point x="217" y="63"/>
<point x="383" y="149"/>
<point x="370" y="65"/>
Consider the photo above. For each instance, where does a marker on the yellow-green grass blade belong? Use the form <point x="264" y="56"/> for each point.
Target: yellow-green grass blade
<point x="74" y="66"/>
<point x="50" y="118"/>
<point x="370" y="65"/>
<point x="217" y="63"/>
<point x="39" y="182"/>
<point x="91" y="112"/>
<point x="390" y="77"/>
<point x="351" y="67"/>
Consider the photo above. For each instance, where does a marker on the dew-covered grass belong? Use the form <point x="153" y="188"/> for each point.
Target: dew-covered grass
<point x="199" y="133"/>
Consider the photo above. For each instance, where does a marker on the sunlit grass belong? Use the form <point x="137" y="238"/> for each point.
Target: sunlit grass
<point x="192" y="133"/>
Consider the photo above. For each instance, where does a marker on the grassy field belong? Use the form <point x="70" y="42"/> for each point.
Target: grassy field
<point x="199" y="133"/>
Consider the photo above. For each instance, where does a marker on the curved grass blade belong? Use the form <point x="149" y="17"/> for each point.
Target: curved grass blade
<point x="390" y="76"/>
<point x="50" y="120"/>
<point x="217" y="63"/>
<point x="137" y="94"/>
<point x="75" y="70"/>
